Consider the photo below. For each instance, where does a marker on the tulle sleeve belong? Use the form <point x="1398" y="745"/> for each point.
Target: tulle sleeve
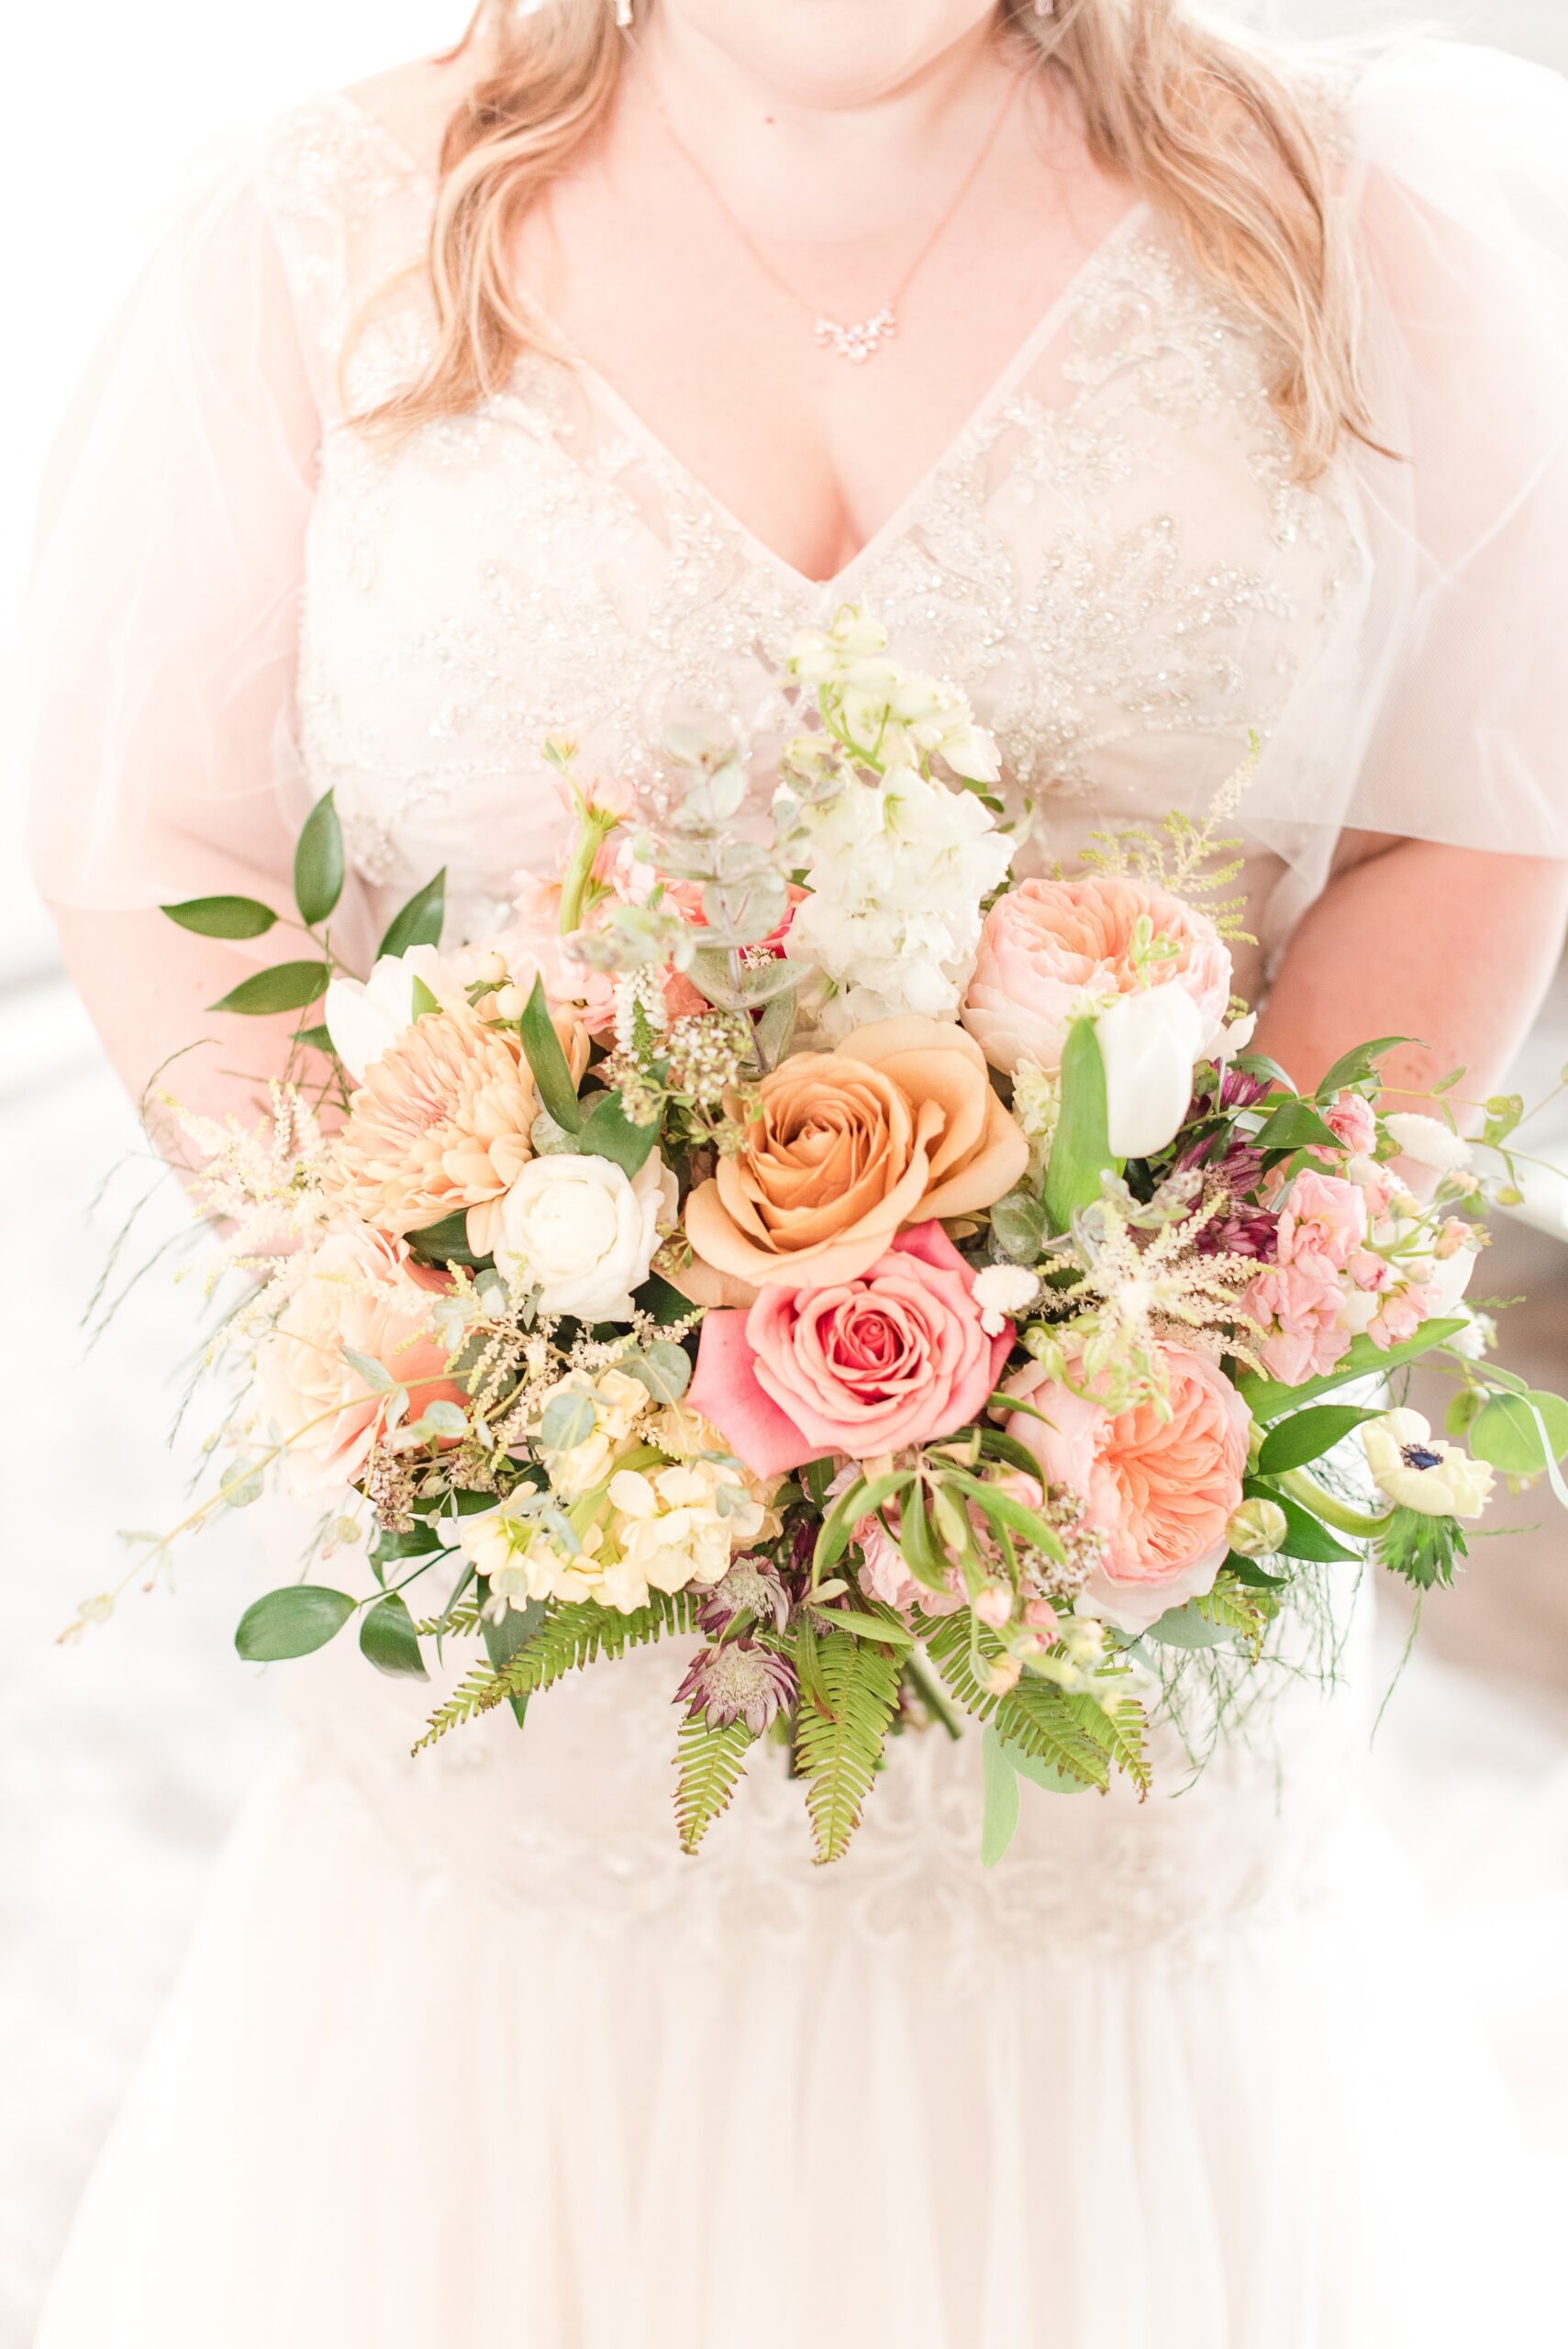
<point x="165" y="616"/>
<point x="1461" y="181"/>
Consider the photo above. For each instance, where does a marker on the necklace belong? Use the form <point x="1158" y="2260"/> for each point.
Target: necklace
<point x="861" y="340"/>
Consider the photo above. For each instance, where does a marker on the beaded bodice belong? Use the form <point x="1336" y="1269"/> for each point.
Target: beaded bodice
<point x="1111" y="556"/>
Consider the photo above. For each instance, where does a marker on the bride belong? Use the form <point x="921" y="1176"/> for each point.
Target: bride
<point x="1160" y="389"/>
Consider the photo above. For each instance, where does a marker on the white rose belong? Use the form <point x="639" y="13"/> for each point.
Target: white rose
<point x="1150" y="1042"/>
<point x="577" y="1229"/>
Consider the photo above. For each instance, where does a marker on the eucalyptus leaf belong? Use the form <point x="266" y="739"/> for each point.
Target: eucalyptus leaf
<point x="1019" y="1227"/>
<point x="223" y="916"/>
<point x="999" y="1789"/>
<point x="664" y="1367"/>
<point x="293" y="1621"/>
<point x="1183" y="1626"/>
<point x="319" y="865"/>
<point x="1507" y="1431"/>
<point x="568" y="1420"/>
<point x="374" y="1374"/>
<point x="442" y="1418"/>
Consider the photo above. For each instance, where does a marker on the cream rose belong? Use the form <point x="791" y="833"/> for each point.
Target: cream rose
<point x="897" y="1126"/>
<point x="583" y="1233"/>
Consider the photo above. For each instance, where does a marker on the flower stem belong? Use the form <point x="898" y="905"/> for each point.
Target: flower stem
<point x="932" y="1694"/>
<point x="591" y="833"/>
<point x="1339" y="1514"/>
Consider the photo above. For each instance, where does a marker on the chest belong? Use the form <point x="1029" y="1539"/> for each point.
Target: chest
<point x="1110" y="555"/>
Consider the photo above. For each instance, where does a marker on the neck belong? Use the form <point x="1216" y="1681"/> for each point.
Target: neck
<point x="843" y="123"/>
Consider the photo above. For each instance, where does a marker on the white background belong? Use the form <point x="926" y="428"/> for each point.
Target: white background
<point x="120" y="1762"/>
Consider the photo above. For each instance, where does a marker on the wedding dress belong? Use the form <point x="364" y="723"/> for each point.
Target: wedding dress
<point x="467" y="2053"/>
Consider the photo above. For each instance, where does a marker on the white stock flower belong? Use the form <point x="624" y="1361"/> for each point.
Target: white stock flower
<point x="618" y="1404"/>
<point x="1417" y="1470"/>
<point x="1150" y="1042"/>
<point x="670" y="1528"/>
<point x="896" y="872"/>
<point x="577" y="1229"/>
<point x="1427" y="1140"/>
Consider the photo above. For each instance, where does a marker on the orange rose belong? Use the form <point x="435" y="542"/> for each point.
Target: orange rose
<point x="897" y="1126"/>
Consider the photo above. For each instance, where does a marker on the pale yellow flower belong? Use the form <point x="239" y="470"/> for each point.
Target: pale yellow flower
<point x="669" y="1527"/>
<point x="619" y="1404"/>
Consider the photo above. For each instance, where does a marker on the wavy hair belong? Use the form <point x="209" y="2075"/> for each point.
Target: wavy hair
<point x="1205" y="125"/>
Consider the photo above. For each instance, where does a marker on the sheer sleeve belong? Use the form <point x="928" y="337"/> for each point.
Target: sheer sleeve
<point x="166" y="609"/>
<point x="1462" y="195"/>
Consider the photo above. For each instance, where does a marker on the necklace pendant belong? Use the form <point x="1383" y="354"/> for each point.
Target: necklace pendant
<point x="859" y="342"/>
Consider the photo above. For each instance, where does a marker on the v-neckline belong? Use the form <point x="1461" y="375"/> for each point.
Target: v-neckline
<point x="635" y="427"/>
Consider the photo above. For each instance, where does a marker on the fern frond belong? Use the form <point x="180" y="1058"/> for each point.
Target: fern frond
<point x="1037" y="1717"/>
<point x="569" y="1638"/>
<point x="838" y="1753"/>
<point x="1235" y="1608"/>
<point x="1119" y="1726"/>
<point x="711" y="1763"/>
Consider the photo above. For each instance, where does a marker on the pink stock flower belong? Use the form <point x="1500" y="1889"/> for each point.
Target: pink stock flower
<point x="1297" y="1308"/>
<point x="864" y="1366"/>
<point x="1321" y="1217"/>
<point x="1046" y="944"/>
<point x="1351" y="1120"/>
<point x="1160" y="1489"/>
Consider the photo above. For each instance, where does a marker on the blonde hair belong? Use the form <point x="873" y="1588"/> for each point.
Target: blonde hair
<point x="1203" y="125"/>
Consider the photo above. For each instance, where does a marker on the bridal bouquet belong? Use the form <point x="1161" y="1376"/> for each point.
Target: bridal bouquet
<point x="895" y="1278"/>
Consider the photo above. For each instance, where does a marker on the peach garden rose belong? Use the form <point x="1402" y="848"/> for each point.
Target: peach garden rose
<point x="1048" y="946"/>
<point x="1160" y="1490"/>
<point x="898" y="1125"/>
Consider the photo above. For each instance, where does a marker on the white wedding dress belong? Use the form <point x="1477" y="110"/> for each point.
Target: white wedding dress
<point x="467" y="2055"/>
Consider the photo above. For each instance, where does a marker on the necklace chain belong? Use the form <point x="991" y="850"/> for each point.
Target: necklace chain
<point x="861" y="340"/>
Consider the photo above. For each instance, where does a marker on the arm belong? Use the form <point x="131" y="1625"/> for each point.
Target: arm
<point x="1452" y="947"/>
<point x="164" y="647"/>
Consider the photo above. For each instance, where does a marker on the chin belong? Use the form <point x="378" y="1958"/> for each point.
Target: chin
<point x="837" y="52"/>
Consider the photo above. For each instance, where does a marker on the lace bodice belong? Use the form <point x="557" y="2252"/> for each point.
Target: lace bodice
<point x="1111" y="555"/>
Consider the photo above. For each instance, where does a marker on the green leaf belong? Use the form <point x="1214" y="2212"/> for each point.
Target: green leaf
<point x="568" y="1420"/>
<point x="1507" y="1431"/>
<point x="609" y="1133"/>
<point x="1019" y="1227"/>
<point x="293" y="1621"/>
<point x="664" y="1367"/>
<point x="506" y="1639"/>
<point x="1424" y="1550"/>
<point x="387" y="1638"/>
<point x="883" y="1627"/>
<point x="549" y="1064"/>
<point x="1306" y="1536"/>
<point x="710" y="1763"/>
<point x="999" y="1817"/>
<point x="286" y="986"/>
<point x="1003" y="1509"/>
<point x="1081" y="1152"/>
<point x="446" y="1243"/>
<point x="1294" y="1126"/>
<point x="1356" y="1064"/>
<point x="319" y="862"/>
<point x="660" y="1298"/>
<point x="374" y="1374"/>
<point x="315" y="1040"/>
<point x="419" y="923"/>
<point x="837" y="1756"/>
<point x="1306" y="1435"/>
<point x="1268" y="1398"/>
<point x="860" y="1500"/>
<point x="223" y="916"/>
<point x="1183" y="1626"/>
<point x="422" y="999"/>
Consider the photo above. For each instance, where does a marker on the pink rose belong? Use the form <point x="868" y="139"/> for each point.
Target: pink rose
<point x="863" y="1366"/>
<point x="1323" y="1217"/>
<point x="1351" y="1120"/>
<point x="1047" y="942"/>
<point x="1159" y="1489"/>
<point x="1297" y="1308"/>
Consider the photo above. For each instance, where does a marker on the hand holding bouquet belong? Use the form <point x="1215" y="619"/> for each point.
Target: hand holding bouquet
<point x="896" y="1279"/>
